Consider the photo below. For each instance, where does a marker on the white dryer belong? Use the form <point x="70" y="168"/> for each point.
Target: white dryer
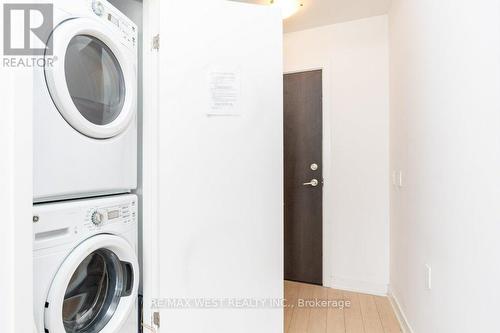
<point x="85" y="110"/>
<point x="85" y="266"/>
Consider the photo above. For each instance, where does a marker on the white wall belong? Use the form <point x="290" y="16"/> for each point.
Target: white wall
<point x="16" y="196"/>
<point x="445" y="137"/>
<point x="354" y="56"/>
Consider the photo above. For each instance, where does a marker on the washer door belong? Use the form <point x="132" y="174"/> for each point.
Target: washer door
<point x="93" y="80"/>
<point x="95" y="288"/>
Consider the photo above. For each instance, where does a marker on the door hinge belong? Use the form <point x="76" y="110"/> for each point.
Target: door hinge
<point x="156" y="42"/>
<point x="156" y="319"/>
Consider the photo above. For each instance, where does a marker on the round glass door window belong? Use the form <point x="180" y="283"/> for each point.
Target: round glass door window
<point x="94" y="292"/>
<point x="95" y="79"/>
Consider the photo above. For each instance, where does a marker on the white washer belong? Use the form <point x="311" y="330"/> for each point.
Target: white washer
<point x="85" y="266"/>
<point x="85" y="113"/>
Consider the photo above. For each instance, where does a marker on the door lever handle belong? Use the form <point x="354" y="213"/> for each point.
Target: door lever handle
<point x="312" y="183"/>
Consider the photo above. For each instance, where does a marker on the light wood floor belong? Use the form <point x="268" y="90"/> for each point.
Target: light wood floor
<point x="367" y="314"/>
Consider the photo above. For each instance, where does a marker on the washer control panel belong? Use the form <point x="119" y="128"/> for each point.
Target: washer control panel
<point x="72" y="221"/>
<point x="99" y="217"/>
<point x="116" y="20"/>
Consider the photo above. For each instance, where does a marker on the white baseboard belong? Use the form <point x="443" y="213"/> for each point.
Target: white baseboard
<point x="403" y="320"/>
<point x="364" y="287"/>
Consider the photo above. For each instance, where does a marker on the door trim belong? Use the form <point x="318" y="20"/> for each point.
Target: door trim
<point x="150" y="219"/>
<point x="327" y="165"/>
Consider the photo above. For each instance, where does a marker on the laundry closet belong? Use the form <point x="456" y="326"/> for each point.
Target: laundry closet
<point x="157" y="167"/>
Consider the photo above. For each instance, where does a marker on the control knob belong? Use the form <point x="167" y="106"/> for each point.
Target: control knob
<point x="97" y="218"/>
<point x="98" y="8"/>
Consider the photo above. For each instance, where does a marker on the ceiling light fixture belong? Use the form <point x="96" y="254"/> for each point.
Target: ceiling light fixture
<point x="288" y="7"/>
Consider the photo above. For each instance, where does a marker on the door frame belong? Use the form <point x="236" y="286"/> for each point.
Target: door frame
<point x="16" y="199"/>
<point x="150" y="216"/>
<point x="327" y="164"/>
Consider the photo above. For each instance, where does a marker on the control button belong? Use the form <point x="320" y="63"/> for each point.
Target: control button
<point x="97" y="218"/>
<point x="98" y="8"/>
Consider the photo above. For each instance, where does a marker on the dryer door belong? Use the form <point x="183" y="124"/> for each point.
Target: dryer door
<point x="92" y="79"/>
<point x="95" y="288"/>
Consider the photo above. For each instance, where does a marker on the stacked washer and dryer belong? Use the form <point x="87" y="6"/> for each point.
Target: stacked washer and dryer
<point x="85" y="169"/>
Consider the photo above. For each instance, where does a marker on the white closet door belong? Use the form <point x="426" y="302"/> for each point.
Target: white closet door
<point x="220" y="201"/>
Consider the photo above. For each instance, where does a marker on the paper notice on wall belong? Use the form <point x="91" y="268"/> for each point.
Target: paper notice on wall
<point x="224" y="91"/>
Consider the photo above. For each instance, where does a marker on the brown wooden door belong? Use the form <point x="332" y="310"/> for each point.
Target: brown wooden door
<point x="303" y="117"/>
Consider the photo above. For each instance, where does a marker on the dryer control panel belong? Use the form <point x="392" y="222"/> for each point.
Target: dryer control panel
<point x="61" y="223"/>
<point x="117" y="21"/>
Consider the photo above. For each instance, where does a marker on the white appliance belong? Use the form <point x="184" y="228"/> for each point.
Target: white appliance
<point x="85" y="114"/>
<point x="85" y="265"/>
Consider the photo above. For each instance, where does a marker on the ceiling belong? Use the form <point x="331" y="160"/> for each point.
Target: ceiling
<point x="316" y="13"/>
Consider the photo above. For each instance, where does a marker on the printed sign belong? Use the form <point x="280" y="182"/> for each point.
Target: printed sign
<point x="224" y="90"/>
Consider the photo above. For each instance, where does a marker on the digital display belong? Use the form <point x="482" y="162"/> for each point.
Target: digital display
<point x="113" y="214"/>
<point x="113" y="20"/>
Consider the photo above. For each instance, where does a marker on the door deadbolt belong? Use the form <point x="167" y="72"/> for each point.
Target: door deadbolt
<point x="314" y="167"/>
